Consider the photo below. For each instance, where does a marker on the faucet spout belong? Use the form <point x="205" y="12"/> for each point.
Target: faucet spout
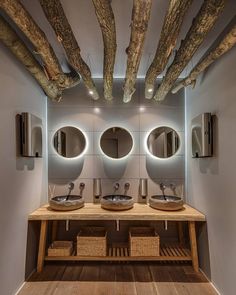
<point x="162" y="188"/>
<point x="127" y="186"/>
<point x="81" y="187"/>
<point x="71" y="187"/>
<point x="173" y="188"/>
<point x="116" y="186"/>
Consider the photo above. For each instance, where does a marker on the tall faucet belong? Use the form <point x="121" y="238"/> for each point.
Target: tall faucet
<point x="71" y="187"/>
<point x="81" y="187"/>
<point x="173" y="188"/>
<point x="162" y="188"/>
<point x="116" y="187"/>
<point x="126" y="187"/>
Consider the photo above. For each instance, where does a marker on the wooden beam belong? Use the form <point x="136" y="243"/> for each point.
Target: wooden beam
<point x="57" y="18"/>
<point x="140" y="18"/>
<point x="17" y="12"/>
<point x="106" y="21"/>
<point x="169" y="34"/>
<point x="202" y="24"/>
<point x="223" y="46"/>
<point x="9" y="37"/>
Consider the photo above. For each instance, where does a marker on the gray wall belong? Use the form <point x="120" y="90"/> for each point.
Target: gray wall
<point x="139" y="117"/>
<point x="23" y="182"/>
<point x="211" y="182"/>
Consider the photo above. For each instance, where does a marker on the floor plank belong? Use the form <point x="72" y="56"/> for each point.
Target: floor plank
<point x="143" y="279"/>
<point x="117" y="279"/>
<point x="125" y="283"/>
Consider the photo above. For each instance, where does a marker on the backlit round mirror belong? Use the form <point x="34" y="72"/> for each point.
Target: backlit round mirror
<point x="163" y="142"/>
<point x="116" y="142"/>
<point x="69" y="142"/>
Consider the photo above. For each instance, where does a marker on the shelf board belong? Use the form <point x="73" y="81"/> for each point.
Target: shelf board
<point x="121" y="253"/>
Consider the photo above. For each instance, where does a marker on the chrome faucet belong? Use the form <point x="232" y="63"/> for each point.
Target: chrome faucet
<point x="126" y="187"/>
<point x="173" y="188"/>
<point x="116" y="186"/>
<point x="162" y="188"/>
<point x="71" y="187"/>
<point x="81" y="187"/>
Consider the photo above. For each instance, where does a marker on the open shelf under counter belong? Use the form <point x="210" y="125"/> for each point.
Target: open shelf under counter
<point x="138" y="212"/>
<point x="170" y="252"/>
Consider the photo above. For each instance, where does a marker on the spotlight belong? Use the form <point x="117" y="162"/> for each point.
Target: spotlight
<point x="97" y="110"/>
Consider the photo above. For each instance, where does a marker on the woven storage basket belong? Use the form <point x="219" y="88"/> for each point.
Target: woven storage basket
<point x="144" y="241"/>
<point x="60" y="248"/>
<point x="92" y="241"/>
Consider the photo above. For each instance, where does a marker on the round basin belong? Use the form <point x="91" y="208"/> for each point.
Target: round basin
<point x="167" y="203"/>
<point x="60" y="203"/>
<point x="117" y="202"/>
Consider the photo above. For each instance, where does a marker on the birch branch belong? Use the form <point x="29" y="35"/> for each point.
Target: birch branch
<point x="11" y="40"/>
<point x="58" y="20"/>
<point x="169" y="34"/>
<point x="202" y="24"/>
<point x="16" y="11"/>
<point x="140" y="18"/>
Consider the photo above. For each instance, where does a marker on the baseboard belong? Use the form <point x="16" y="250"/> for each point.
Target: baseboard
<point x="213" y="286"/>
<point x="33" y="271"/>
<point x="19" y="289"/>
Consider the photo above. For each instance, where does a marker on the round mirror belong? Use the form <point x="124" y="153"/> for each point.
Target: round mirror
<point x="116" y="142"/>
<point x="163" y="142"/>
<point x="69" y="142"/>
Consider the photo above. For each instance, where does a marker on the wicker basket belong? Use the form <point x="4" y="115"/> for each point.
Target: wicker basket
<point x="92" y="241"/>
<point x="144" y="241"/>
<point x="60" y="248"/>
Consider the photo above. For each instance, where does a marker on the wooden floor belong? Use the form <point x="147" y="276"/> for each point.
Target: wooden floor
<point x="117" y="279"/>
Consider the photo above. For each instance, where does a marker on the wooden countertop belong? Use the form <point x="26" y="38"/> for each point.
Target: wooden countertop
<point x="139" y="212"/>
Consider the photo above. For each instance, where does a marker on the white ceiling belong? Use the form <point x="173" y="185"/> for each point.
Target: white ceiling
<point x="82" y="18"/>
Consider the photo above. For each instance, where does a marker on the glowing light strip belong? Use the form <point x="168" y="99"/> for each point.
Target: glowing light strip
<point x="146" y="145"/>
<point x="84" y="150"/>
<point x="117" y="159"/>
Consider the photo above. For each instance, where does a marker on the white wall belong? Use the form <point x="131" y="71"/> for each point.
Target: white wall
<point x="93" y="118"/>
<point x="211" y="182"/>
<point x="23" y="182"/>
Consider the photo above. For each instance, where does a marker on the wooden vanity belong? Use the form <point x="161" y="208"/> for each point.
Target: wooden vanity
<point x="173" y="252"/>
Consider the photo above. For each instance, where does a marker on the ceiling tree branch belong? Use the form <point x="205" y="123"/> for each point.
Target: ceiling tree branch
<point x="57" y="18"/>
<point x="9" y="37"/>
<point x="202" y="24"/>
<point x="106" y="21"/>
<point x="140" y="18"/>
<point x="16" y="11"/>
<point x="223" y="46"/>
<point x="168" y="38"/>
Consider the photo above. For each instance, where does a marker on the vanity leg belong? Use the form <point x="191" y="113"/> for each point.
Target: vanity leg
<point x="193" y="245"/>
<point x="54" y="230"/>
<point x="42" y="245"/>
<point x="180" y="233"/>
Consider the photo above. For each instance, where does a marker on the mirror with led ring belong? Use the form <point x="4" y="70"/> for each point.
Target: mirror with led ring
<point x="69" y="142"/>
<point x="116" y="142"/>
<point x="163" y="142"/>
